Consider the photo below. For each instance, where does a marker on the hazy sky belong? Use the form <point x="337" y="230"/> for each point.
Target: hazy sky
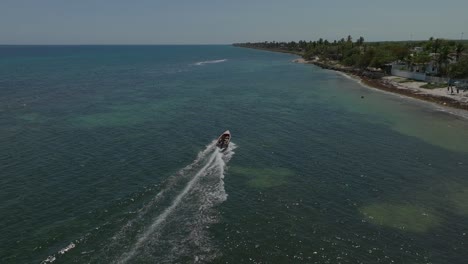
<point x="219" y="21"/>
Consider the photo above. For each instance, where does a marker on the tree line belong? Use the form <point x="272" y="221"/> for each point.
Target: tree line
<point x="448" y="55"/>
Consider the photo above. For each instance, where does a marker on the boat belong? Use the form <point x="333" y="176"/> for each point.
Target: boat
<point x="223" y="140"/>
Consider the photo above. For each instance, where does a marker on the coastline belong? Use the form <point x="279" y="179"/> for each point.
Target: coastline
<point x="391" y="84"/>
<point x="272" y="50"/>
<point x="402" y="86"/>
<point x="457" y="112"/>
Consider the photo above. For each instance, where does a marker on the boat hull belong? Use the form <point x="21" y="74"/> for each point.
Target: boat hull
<point x="224" y="140"/>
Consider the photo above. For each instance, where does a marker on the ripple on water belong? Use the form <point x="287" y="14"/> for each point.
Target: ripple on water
<point x="127" y="115"/>
<point x="404" y="217"/>
<point x="459" y="200"/>
<point x="33" y="117"/>
<point x="263" y="177"/>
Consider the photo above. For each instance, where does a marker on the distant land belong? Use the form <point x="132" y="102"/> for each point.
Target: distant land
<point x="434" y="70"/>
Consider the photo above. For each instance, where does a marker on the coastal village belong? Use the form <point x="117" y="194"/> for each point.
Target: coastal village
<point x="435" y="70"/>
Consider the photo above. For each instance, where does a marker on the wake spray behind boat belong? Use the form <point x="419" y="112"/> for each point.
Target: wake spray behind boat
<point x="223" y="140"/>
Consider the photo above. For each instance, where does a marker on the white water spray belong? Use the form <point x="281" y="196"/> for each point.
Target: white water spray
<point x="215" y="161"/>
<point x="210" y="62"/>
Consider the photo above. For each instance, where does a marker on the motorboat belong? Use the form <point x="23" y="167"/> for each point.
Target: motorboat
<point x="223" y="140"/>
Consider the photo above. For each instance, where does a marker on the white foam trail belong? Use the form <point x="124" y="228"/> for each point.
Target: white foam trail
<point x="62" y="251"/>
<point x="204" y="187"/>
<point x="67" y="248"/>
<point x="141" y="213"/>
<point x="215" y="160"/>
<point x="210" y="62"/>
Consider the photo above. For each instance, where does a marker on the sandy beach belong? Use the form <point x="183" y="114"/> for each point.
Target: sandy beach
<point x="415" y="86"/>
<point x="300" y="60"/>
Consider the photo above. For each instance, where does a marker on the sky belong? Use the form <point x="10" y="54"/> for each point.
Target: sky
<point x="226" y="22"/>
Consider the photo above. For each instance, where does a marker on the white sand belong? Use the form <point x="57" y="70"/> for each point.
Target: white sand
<point x="299" y="60"/>
<point x="415" y="86"/>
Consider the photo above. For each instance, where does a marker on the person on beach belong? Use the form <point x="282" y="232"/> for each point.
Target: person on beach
<point x="450" y="86"/>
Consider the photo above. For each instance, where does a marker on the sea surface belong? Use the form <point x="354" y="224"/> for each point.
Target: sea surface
<point x="107" y="156"/>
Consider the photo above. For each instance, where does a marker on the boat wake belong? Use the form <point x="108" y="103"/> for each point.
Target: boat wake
<point x="173" y="225"/>
<point x="185" y="209"/>
<point x="210" y="62"/>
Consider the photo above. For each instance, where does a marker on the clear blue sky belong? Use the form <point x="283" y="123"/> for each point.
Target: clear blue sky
<point x="218" y="21"/>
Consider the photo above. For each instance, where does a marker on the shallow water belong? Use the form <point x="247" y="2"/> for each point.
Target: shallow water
<point x="106" y="157"/>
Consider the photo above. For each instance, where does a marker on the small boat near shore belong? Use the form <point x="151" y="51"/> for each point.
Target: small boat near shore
<point x="223" y="140"/>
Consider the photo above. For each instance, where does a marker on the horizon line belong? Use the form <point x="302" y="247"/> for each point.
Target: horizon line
<point x="188" y="44"/>
<point x="205" y="44"/>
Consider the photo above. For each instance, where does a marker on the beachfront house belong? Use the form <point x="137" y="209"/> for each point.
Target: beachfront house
<point x="429" y="68"/>
<point x="417" y="49"/>
<point x="417" y="66"/>
<point x="402" y="69"/>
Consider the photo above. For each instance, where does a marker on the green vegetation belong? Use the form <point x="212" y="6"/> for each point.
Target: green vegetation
<point x="446" y="55"/>
<point x="459" y="69"/>
<point x="434" y="85"/>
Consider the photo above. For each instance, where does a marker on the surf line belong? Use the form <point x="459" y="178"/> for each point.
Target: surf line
<point x="162" y="217"/>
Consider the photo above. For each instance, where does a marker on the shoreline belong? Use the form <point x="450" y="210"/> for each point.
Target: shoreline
<point x="405" y="87"/>
<point x="391" y="84"/>
<point x="456" y="112"/>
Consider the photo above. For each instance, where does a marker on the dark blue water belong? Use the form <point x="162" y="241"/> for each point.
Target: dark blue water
<point x="107" y="157"/>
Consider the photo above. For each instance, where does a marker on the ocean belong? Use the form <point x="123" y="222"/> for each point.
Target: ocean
<point x="107" y="156"/>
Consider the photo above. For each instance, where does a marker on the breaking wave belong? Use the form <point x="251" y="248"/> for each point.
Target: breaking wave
<point x="210" y="62"/>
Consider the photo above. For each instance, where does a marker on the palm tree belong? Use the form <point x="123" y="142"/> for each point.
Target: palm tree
<point x="459" y="48"/>
<point x="428" y="45"/>
<point x="436" y="45"/>
<point x="360" y="41"/>
<point x="443" y="59"/>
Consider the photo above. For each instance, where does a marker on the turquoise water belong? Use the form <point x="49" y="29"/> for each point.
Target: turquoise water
<point x="107" y="157"/>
